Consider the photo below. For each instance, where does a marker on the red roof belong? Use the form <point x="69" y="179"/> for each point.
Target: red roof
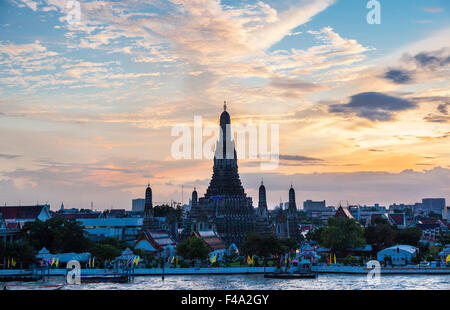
<point x="213" y="241"/>
<point x="429" y="221"/>
<point x="21" y="212"/>
<point x="343" y="212"/>
<point x="74" y="216"/>
<point x="13" y="225"/>
<point x="156" y="239"/>
<point x="397" y="218"/>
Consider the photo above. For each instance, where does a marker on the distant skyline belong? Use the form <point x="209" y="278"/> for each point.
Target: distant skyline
<point x="86" y="109"/>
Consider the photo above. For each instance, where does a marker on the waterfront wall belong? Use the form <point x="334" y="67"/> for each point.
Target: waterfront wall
<point x="156" y="271"/>
<point x="363" y="270"/>
<point x="238" y="270"/>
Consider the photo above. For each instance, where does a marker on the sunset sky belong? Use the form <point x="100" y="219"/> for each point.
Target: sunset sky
<point x="86" y="109"/>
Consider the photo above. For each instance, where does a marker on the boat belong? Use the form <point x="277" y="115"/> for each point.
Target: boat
<point x="285" y="275"/>
<point x="299" y="270"/>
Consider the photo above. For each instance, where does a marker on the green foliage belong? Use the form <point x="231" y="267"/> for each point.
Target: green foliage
<point x="21" y="252"/>
<point x="168" y="211"/>
<point x="433" y="253"/>
<point x="288" y="245"/>
<point x="104" y="252"/>
<point x="114" y="242"/>
<point x="380" y="236"/>
<point x="193" y="248"/>
<point x="444" y="238"/>
<point x="315" y="235"/>
<point x="350" y="261"/>
<point x="261" y="245"/>
<point x="409" y="235"/>
<point x="58" y="235"/>
<point x="342" y="234"/>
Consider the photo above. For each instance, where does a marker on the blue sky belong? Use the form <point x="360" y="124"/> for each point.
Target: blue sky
<point x="86" y="109"/>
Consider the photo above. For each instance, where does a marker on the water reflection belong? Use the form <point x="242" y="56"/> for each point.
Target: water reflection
<point x="258" y="282"/>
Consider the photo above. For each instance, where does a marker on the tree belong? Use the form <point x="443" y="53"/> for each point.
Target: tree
<point x="193" y="248"/>
<point x="342" y="234"/>
<point x="288" y="245"/>
<point x="315" y="235"/>
<point x="21" y="252"/>
<point x="166" y="211"/>
<point x="409" y="235"/>
<point x="114" y="242"/>
<point x="104" y="252"/>
<point x="58" y="235"/>
<point x="380" y="236"/>
<point x="261" y="245"/>
<point x="444" y="238"/>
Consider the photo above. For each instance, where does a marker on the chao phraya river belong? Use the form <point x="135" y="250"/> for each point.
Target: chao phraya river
<point x="258" y="282"/>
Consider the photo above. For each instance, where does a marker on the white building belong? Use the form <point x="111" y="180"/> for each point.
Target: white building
<point x="122" y="228"/>
<point x="17" y="216"/>
<point x="399" y="254"/>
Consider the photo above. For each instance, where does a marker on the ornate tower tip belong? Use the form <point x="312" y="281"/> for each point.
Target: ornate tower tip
<point x="224" y="105"/>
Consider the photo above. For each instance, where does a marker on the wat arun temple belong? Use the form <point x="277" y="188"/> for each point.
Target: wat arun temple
<point x="225" y="214"/>
<point x="226" y="209"/>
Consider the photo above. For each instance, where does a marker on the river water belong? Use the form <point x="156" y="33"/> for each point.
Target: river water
<point x="258" y="282"/>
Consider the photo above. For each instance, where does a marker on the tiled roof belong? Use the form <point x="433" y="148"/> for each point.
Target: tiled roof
<point x="74" y="216"/>
<point x="211" y="239"/>
<point x="157" y="239"/>
<point x="21" y="212"/>
<point x="12" y="225"/>
<point x="343" y="212"/>
<point x="397" y="218"/>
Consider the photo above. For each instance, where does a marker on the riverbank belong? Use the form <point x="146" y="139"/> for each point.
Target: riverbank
<point x="332" y="269"/>
<point x="393" y="270"/>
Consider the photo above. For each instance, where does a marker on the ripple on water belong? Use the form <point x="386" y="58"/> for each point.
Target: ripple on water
<point x="258" y="282"/>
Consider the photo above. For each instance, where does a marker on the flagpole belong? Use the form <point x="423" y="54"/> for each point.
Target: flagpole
<point x="164" y="262"/>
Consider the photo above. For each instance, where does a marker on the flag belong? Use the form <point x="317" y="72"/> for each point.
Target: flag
<point x="57" y="262"/>
<point x="53" y="261"/>
<point x="137" y="260"/>
<point x="213" y="259"/>
<point x="93" y="262"/>
<point x="8" y="262"/>
<point x="447" y="259"/>
<point x="253" y="261"/>
<point x="173" y="258"/>
<point x="13" y="262"/>
<point x="335" y="259"/>
<point x="285" y="259"/>
<point x="249" y="260"/>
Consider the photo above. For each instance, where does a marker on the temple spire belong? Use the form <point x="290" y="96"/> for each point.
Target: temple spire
<point x="224" y="105"/>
